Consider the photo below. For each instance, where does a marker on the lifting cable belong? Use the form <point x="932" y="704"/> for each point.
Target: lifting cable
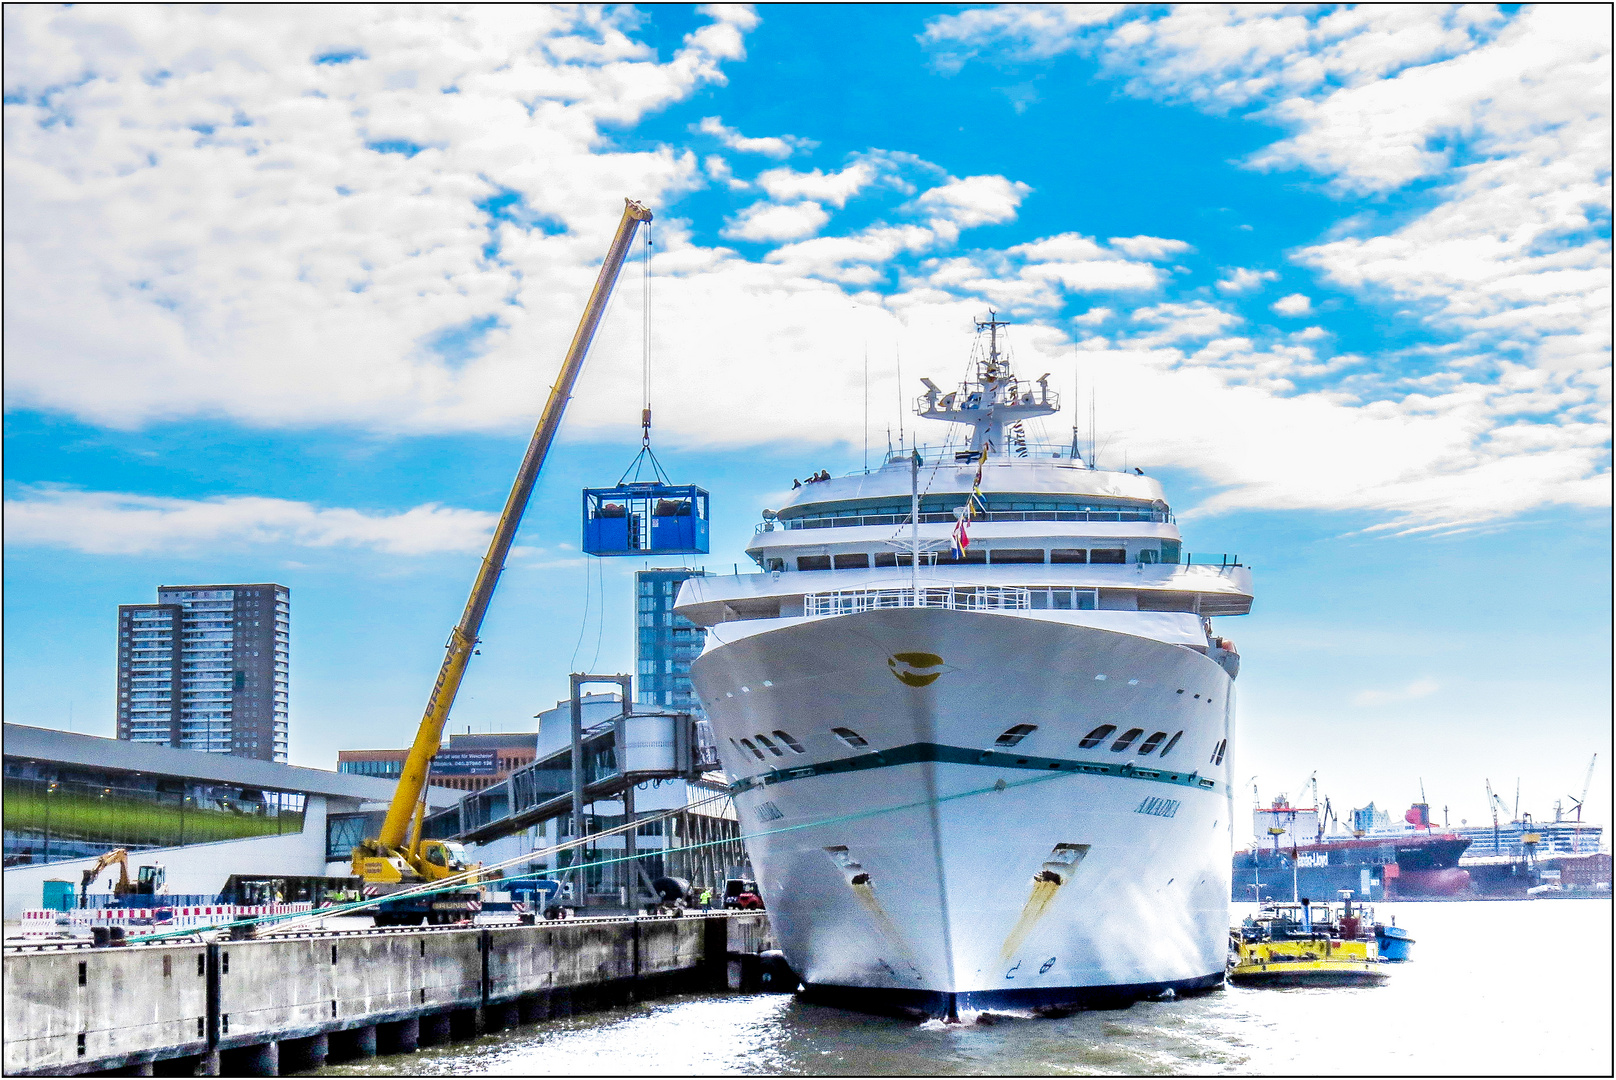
<point x="453" y="884"/>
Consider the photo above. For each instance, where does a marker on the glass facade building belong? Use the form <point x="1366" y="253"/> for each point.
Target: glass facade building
<point x="207" y="668"/>
<point x="56" y="811"/>
<point x="666" y="643"/>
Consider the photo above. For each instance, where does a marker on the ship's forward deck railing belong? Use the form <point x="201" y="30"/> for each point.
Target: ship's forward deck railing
<point x="958" y="598"/>
<point x="850" y="520"/>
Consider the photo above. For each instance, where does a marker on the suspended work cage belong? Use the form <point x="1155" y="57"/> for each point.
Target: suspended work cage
<point x="645" y="517"/>
<point x="654" y="518"/>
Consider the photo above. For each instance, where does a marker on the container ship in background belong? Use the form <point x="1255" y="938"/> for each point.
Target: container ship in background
<point x="1292" y="855"/>
<point x="978" y="723"/>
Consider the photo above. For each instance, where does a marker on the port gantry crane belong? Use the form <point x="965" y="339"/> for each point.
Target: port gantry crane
<point x="398" y="859"/>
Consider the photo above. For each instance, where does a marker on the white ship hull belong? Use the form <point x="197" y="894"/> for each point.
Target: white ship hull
<point x="933" y="904"/>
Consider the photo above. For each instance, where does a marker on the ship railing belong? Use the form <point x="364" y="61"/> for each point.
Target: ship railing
<point x="854" y="521"/>
<point x="957" y="598"/>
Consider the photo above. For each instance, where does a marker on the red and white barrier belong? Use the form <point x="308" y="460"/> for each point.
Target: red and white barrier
<point x="39" y="922"/>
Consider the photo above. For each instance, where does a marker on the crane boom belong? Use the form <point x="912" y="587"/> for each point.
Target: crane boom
<point x="412" y="781"/>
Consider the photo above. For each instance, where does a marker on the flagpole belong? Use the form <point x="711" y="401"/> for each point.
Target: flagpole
<point x="914" y="525"/>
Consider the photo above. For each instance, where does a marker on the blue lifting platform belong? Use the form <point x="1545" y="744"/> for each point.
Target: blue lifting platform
<point x="653" y="518"/>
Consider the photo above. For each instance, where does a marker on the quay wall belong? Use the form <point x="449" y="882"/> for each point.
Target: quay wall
<point x="260" y="1007"/>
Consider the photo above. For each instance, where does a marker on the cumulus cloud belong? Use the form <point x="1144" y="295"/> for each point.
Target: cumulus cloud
<point x="114" y="523"/>
<point x="774" y="146"/>
<point x="203" y="221"/>
<point x="1148" y="247"/>
<point x="1294" y="304"/>
<point x="768" y="222"/>
<point x="975" y="200"/>
<point x="1419" y="688"/>
<point x="835" y="188"/>
<point x="1241" y="280"/>
<point x="1032" y="31"/>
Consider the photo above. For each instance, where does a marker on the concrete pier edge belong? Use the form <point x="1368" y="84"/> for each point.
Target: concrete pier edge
<point x="293" y="1004"/>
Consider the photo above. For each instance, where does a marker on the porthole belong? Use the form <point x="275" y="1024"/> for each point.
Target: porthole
<point x="796" y="747"/>
<point x="755" y="751"/>
<point x="1015" y="734"/>
<point x="1126" y="739"/>
<point x="1097" y="736"/>
<point x="763" y="741"/>
<point x="848" y="736"/>
<point x="1177" y="735"/>
<point x="1151" y="743"/>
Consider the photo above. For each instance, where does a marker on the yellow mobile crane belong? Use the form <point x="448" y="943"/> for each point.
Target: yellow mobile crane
<point x="398" y="859"/>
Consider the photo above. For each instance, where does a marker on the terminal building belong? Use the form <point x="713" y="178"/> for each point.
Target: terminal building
<point x="470" y="762"/>
<point x="207" y="819"/>
<point x="207" y="668"/>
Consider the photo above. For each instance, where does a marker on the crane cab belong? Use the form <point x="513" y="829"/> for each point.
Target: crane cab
<point x="645" y="519"/>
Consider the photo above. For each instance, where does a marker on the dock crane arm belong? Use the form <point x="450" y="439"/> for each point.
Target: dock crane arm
<point x="463" y="640"/>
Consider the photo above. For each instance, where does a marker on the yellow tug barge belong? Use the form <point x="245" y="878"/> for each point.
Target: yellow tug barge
<point x="1293" y="945"/>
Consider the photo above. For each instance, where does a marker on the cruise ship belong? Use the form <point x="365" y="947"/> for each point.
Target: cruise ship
<point x="977" y="721"/>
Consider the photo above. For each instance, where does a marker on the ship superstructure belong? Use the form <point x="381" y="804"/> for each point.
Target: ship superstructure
<point x="984" y="773"/>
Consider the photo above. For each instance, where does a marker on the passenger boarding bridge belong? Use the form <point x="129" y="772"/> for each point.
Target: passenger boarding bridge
<point x="614" y="757"/>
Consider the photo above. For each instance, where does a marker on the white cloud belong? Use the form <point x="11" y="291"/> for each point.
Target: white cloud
<point x="1147" y="247"/>
<point x="1030" y="30"/>
<point x="235" y="239"/>
<point x="1093" y="316"/>
<point x="774" y="146"/>
<point x="768" y="222"/>
<point x="1178" y="322"/>
<point x="719" y="169"/>
<point x="1294" y="304"/>
<point x="1503" y="114"/>
<point x="1241" y="280"/>
<point x="835" y="188"/>
<point x="114" y="523"/>
<point x="975" y="200"/>
<point x="1419" y="688"/>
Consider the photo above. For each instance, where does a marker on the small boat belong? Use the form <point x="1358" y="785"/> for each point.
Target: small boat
<point x="1393" y="941"/>
<point x="1305" y="944"/>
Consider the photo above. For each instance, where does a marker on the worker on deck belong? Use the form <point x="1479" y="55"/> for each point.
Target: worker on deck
<point x="706" y="899"/>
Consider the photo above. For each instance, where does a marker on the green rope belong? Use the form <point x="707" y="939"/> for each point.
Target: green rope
<point x="339" y="909"/>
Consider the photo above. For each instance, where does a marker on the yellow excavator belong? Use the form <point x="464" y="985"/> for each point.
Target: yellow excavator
<point x="149" y="881"/>
<point x="399" y="860"/>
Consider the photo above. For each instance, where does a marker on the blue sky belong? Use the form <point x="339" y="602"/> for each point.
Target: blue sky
<point x="285" y="288"/>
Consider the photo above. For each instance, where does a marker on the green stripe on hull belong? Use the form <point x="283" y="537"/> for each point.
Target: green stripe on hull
<point x="916" y="753"/>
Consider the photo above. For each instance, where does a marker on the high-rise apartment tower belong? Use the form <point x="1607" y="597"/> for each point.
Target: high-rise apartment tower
<point x="206" y="668"/>
<point x="666" y="643"/>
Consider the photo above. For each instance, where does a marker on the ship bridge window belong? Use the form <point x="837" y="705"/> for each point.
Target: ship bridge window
<point x="1168" y="749"/>
<point x="855" y="561"/>
<point x="796" y="747"/>
<point x="1108" y="555"/>
<point x="1126" y="739"/>
<point x="850" y="737"/>
<point x="813" y="562"/>
<point x="946" y="558"/>
<point x="1217" y="753"/>
<point x="769" y="746"/>
<point x="775" y="564"/>
<point x="1069" y="555"/>
<point x="1151" y="743"/>
<point x="1097" y="736"/>
<point x="755" y="751"/>
<point x="1015" y="734"/>
<point x="1016" y="555"/>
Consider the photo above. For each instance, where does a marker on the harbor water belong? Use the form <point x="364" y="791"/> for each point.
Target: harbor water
<point x="1498" y="987"/>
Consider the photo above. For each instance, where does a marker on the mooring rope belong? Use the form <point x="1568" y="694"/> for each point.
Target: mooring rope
<point x="454" y="884"/>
